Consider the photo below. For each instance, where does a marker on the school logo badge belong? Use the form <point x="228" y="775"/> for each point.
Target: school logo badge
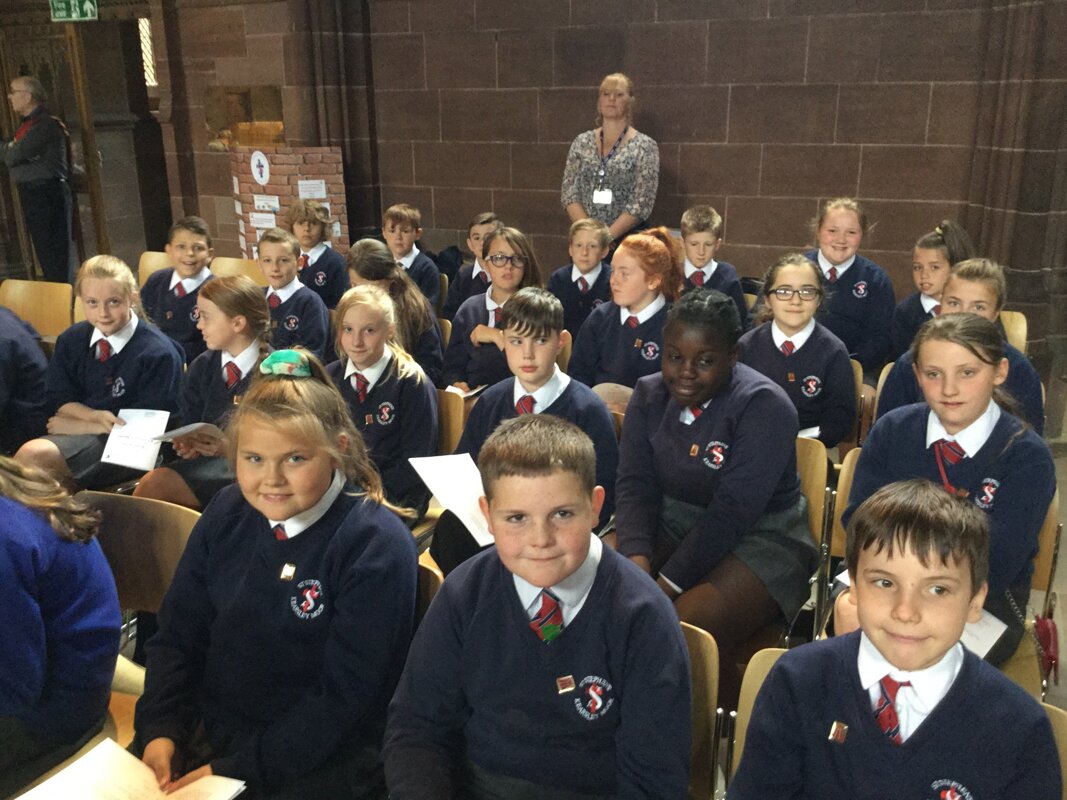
<point x="292" y="322"/>
<point x="650" y="351"/>
<point x="986" y="493"/>
<point x="860" y="289"/>
<point x="194" y="315"/>
<point x="594" y="697"/>
<point x="948" y="789"/>
<point x="715" y="454"/>
<point x="811" y="386"/>
<point x="118" y="388"/>
<point x="308" y="602"/>
<point x="320" y="278"/>
<point x="386" y="414"/>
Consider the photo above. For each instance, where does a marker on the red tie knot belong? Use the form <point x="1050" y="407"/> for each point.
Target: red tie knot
<point x="697" y="278"/>
<point x="525" y="405"/>
<point x="950" y="451"/>
<point x="831" y="274"/>
<point x="632" y="321"/>
<point x="696" y="411"/>
<point x="361" y="385"/>
<point x="179" y="290"/>
<point x="548" y="622"/>
<point x="303" y="261"/>
<point x="103" y="350"/>
<point x="274" y="301"/>
<point x="787" y="347"/>
<point x="233" y="374"/>
<point x="279" y="532"/>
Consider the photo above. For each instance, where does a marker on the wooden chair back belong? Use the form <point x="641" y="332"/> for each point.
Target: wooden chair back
<point x="750" y="300"/>
<point x="615" y="396"/>
<point x="704" y="677"/>
<point x="812" y="466"/>
<point x="878" y="391"/>
<point x="442" y="295"/>
<point x="1015" y="329"/>
<point x="150" y="261"/>
<point x="43" y="304"/>
<point x="844" y="487"/>
<point x="450" y="416"/>
<point x="617" y="417"/>
<point x="1048" y="548"/>
<point x="223" y="266"/>
<point x="430" y="580"/>
<point x="756" y="672"/>
<point x="446" y="331"/>
<point x="566" y="346"/>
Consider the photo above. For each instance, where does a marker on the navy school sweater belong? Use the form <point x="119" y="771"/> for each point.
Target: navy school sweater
<point x="724" y="279"/>
<point x="738" y="459"/>
<point x="1012" y="479"/>
<point x="302" y="667"/>
<point x="428" y="352"/>
<point x="327" y="277"/>
<point x="578" y="306"/>
<point x="817" y="377"/>
<point x="23" y="415"/>
<point x="480" y="685"/>
<point x="175" y="316"/>
<point x="987" y="738"/>
<point x="301" y="320"/>
<point x="607" y="351"/>
<point x="477" y="365"/>
<point x="205" y="397"/>
<point x="427" y="277"/>
<point x="146" y="374"/>
<point x="908" y="317"/>
<point x="463" y="286"/>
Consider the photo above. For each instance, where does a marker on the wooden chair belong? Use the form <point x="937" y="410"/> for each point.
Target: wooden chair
<point x="862" y="413"/>
<point x="755" y="674"/>
<point x="1058" y="718"/>
<point x="446" y="331"/>
<point x="450" y="413"/>
<point x="442" y="295"/>
<point x="78" y="313"/>
<point x="615" y="396"/>
<point x="43" y="304"/>
<point x="430" y="580"/>
<point x="813" y="467"/>
<point x="704" y="676"/>
<point x="878" y="392"/>
<point x="750" y="300"/>
<point x="223" y="266"/>
<point x="566" y="346"/>
<point x="617" y="417"/>
<point x="151" y="261"/>
<point x="834" y="538"/>
<point x="1015" y="329"/>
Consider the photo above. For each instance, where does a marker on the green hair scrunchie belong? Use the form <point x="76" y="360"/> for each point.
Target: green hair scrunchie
<point x="286" y="362"/>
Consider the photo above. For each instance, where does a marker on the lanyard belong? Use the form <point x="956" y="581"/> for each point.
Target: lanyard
<point x="611" y="153"/>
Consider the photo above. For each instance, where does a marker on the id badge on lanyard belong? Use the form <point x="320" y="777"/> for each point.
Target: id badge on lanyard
<point x="601" y="195"/>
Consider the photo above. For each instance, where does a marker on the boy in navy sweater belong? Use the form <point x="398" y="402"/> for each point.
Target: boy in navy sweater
<point x="701" y="229"/>
<point x="322" y="269"/>
<point x="401" y="228"/>
<point x="473" y="278"/>
<point x="542" y="665"/>
<point x="169" y="295"/>
<point x="22" y="369"/>
<point x="298" y="315"/>
<point x="585" y="283"/>
<point x="900" y="709"/>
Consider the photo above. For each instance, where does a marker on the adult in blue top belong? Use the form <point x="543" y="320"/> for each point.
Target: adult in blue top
<point x="22" y="369"/>
<point x="60" y="627"/>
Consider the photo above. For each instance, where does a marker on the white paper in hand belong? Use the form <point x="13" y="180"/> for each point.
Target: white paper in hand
<point x="457" y="485"/>
<point x="134" y="444"/>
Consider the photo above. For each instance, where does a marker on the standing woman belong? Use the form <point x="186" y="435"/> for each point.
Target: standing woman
<point x="612" y="172"/>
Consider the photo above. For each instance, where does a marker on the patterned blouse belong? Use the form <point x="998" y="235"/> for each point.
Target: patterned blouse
<point x="632" y="174"/>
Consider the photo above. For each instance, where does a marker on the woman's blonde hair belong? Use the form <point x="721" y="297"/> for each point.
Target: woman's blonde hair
<point x="239" y="296"/>
<point x="377" y="300"/>
<point x="310" y="408"/>
<point x="109" y="268"/>
<point x="34" y="488"/>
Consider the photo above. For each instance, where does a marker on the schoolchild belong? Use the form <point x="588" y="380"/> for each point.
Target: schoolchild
<point x="417" y="331"/>
<point x="402" y="228"/>
<point x="392" y="402"/>
<point x="799" y="354"/>
<point x="900" y="708"/>
<point x="235" y="323"/>
<point x="585" y="283"/>
<point x="976" y="286"/>
<point x="860" y="299"/>
<point x="967" y="438"/>
<point x="544" y="664"/>
<point x="622" y="340"/>
<point x="114" y="359"/>
<point x="321" y="268"/>
<point x="472" y="278"/>
<point x="708" y="501"/>
<point x="169" y="295"/>
<point x="23" y="415"/>
<point x="286" y="626"/>
<point x="701" y="229"/>
<point x="298" y="315"/>
<point x="931" y="261"/>
<point x="474" y="356"/>
<point x="532" y="323"/>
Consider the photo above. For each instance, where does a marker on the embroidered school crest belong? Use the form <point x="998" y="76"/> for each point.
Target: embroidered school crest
<point x="320" y="278"/>
<point x="118" y="388"/>
<point x="194" y="315"/>
<point x="715" y="454"/>
<point x="986" y="492"/>
<point x="811" y="386"/>
<point x="292" y="322"/>
<point x="948" y="789"/>
<point x="308" y="602"/>
<point x="594" y="697"/>
<point x="386" y="414"/>
<point x="650" y="351"/>
<point x="860" y="289"/>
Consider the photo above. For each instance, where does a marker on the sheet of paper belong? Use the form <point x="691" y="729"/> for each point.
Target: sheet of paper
<point x="457" y="485"/>
<point x="472" y="393"/>
<point x="108" y="772"/>
<point x="267" y="202"/>
<point x="809" y="433"/>
<point x="311" y="189"/>
<point x="202" y="428"/>
<point x="134" y="444"/>
<point x="262" y="220"/>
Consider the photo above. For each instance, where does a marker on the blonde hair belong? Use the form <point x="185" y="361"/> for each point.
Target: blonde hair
<point x="109" y="268"/>
<point x="312" y="409"/>
<point x="239" y="296"/>
<point x="34" y="488"/>
<point x="377" y="300"/>
<point x="701" y="219"/>
<point x="280" y="236"/>
<point x="985" y="271"/>
<point x="613" y="79"/>
<point x="594" y="226"/>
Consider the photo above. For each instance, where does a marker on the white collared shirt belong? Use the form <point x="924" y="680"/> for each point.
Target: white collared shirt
<point x="799" y="339"/>
<point x="478" y="269"/>
<point x="190" y="284"/>
<point x="825" y="265"/>
<point x="645" y="314"/>
<point x="589" y="276"/>
<point x="491" y="305"/>
<point x="572" y="591"/>
<point x="299" y="523"/>
<point x="928" y="686"/>
<point x="245" y="360"/>
<point x="373" y="373"/>
<point x="288" y="290"/>
<point x="315" y="253"/>
<point x="119" y="339"/>
<point x="406" y="260"/>
<point x="928" y="303"/>
<point x="548" y="393"/>
<point x="973" y="437"/>
<point x="708" y="269"/>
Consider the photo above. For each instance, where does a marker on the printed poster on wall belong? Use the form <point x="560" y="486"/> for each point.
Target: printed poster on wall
<point x="312" y="189"/>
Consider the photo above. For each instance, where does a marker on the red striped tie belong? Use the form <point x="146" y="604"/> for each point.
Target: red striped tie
<point x="525" y="405"/>
<point x="787" y="348"/>
<point x="632" y="321"/>
<point x="179" y="290"/>
<point x="950" y="451"/>
<point x="361" y="384"/>
<point x="831" y="274"/>
<point x="103" y="350"/>
<point x="696" y="411"/>
<point x="233" y="374"/>
<point x="583" y="285"/>
<point x="548" y="624"/>
<point x="274" y="301"/>
<point x="886" y="711"/>
<point x="697" y="278"/>
<point x="303" y="261"/>
<point x="498" y="312"/>
<point x="279" y="532"/>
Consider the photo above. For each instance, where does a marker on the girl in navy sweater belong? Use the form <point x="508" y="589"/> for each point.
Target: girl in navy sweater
<point x="967" y="438"/>
<point x="622" y="341"/>
<point x="417" y="332"/>
<point x="799" y="354"/>
<point x="708" y="500"/>
<point x="115" y="359"/>
<point x="321" y="268"/>
<point x="393" y="404"/>
<point x="860" y="299"/>
<point x="474" y="356"/>
<point x="287" y="623"/>
<point x="931" y="260"/>
<point x="235" y="324"/>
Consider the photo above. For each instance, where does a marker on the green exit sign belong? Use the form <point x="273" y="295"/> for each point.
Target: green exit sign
<point x="73" y="10"/>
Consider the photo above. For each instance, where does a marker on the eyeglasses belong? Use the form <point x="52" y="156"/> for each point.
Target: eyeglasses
<point x="788" y="293"/>
<point x="500" y="260"/>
